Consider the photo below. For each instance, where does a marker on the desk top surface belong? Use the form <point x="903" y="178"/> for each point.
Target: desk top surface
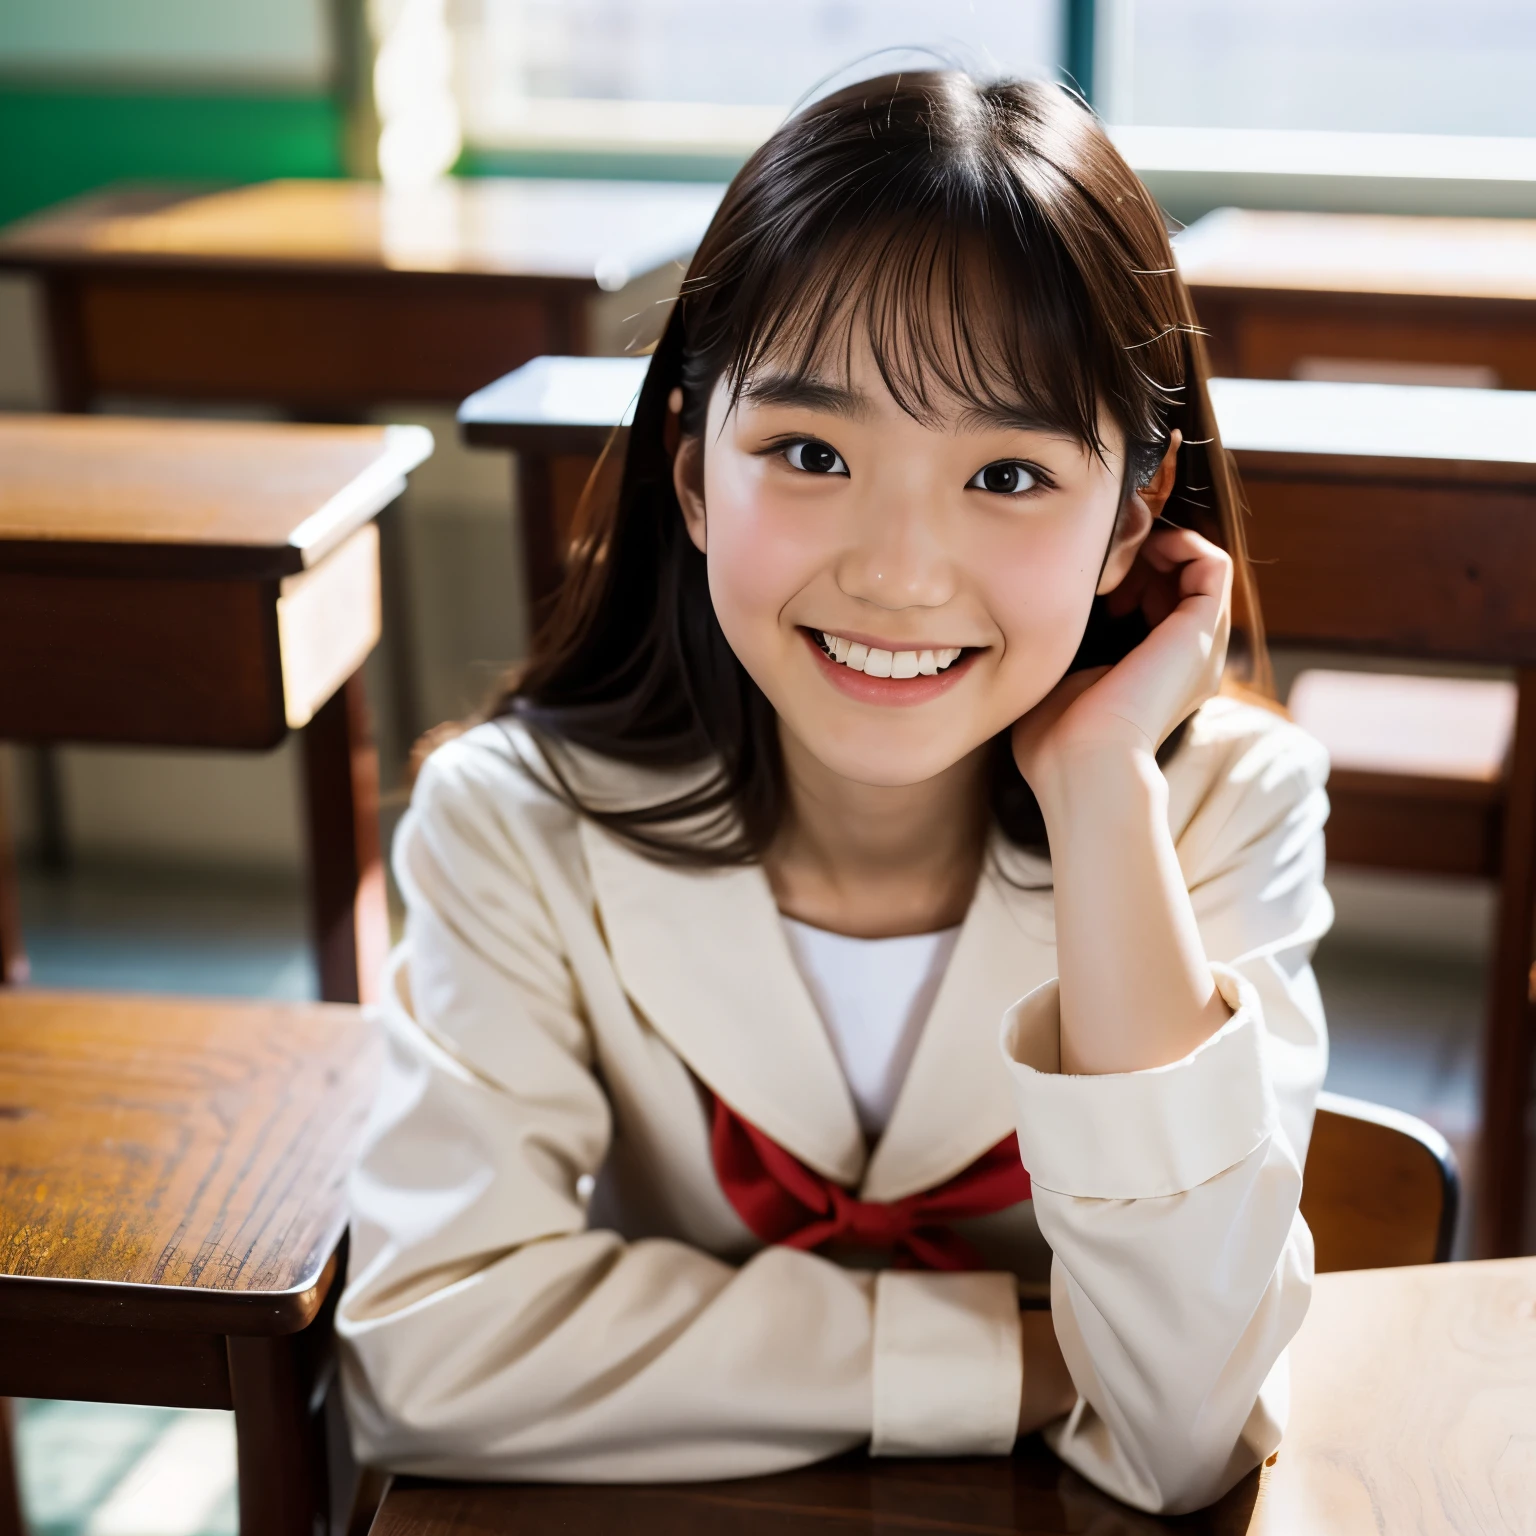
<point x="592" y="232"/>
<point x="1410" y="1388"/>
<point x="272" y="496"/>
<point x="175" y="1163"/>
<point x="1238" y="248"/>
<point x="1271" y="424"/>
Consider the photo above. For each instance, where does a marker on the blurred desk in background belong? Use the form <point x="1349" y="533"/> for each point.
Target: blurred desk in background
<point x="1408" y="1390"/>
<point x="1365" y="297"/>
<point x="1388" y="520"/>
<point x="208" y="584"/>
<point x="336" y="296"/>
<point x="325" y="300"/>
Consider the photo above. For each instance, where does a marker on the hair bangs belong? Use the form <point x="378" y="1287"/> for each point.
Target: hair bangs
<point x="950" y="331"/>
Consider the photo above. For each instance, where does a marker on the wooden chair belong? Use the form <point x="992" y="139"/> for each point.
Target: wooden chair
<point x="1387" y="520"/>
<point x="207" y="584"/>
<point x="1381" y="1187"/>
<point x="203" y="1270"/>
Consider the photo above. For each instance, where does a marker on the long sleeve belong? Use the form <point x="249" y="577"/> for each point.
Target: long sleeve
<point x="1182" y="1267"/>
<point x="488" y="1331"/>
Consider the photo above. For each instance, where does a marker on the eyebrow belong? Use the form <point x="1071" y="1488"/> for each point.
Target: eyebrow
<point x="842" y="400"/>
<point x="813" y="394"/>
<point x="1011" y="418"/>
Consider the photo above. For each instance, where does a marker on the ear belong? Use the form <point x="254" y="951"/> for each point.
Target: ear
<point x="1142" y="508"/>
<point x="688" y="479"/>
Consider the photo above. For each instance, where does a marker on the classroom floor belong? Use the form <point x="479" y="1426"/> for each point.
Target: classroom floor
<point x="1403" y="1024"/>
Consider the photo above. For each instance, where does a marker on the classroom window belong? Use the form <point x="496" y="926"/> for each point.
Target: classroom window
<point x="696" y="74"/>
<point x="1392" y="66"/>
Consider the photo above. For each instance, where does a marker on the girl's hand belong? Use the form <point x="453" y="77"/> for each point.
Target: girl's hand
<point x="1183" y="585"/>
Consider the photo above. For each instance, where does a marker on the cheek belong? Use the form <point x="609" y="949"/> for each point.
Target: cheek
<point x="760" y="554"/>
<point x="1039" y="585"/>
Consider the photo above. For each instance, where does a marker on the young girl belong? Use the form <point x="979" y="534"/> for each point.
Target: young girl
<point x="856" y="989"/>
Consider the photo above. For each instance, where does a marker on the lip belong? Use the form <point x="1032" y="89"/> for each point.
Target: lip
<point x="888" y="690"/>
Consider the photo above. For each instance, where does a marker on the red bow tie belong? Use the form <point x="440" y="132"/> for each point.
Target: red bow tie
<point x="783" y="1201"/>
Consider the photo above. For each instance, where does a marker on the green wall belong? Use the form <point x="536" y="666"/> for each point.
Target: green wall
<point x="57" y="141"/>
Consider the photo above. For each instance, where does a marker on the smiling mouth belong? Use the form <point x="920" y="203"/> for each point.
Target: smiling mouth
<point x="876" y="662"/>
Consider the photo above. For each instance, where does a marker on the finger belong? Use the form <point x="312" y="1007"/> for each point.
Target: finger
<point x="1206" y="570"/>
<point x="1170" y="546"/>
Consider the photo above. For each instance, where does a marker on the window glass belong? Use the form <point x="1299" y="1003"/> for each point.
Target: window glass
<point x="738" y="53"/>
<point x="1403" y="66"/>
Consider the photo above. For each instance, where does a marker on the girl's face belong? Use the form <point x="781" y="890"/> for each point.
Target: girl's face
<point x="900" y="591"/>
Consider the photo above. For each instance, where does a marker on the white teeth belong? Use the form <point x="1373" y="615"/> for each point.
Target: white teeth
<point x="874" y="662"/>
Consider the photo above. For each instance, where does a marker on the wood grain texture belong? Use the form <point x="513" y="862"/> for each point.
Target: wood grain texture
<point x="256" y="490"/>
<point x="175" y="1163"/>
<point x="1413" y="1406"/>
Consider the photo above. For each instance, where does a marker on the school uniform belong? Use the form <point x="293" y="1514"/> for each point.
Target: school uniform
<point x="608" y="1079"/>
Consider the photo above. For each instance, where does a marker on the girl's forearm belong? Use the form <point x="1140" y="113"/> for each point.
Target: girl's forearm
<point x="1136" y="990"/>
<point x="1048" y="1389"/>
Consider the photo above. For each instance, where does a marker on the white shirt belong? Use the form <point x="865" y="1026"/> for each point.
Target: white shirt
<point x="874" y="996"/>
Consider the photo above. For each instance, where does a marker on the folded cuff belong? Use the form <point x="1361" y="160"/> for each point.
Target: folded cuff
<point x="1138" y="1135"/>
<point x="949" y="1364"/>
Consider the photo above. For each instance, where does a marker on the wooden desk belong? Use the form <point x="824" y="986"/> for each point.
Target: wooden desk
<point x="1386" y="519"/>
<point x="1319" y="295"/>
<point x="171" y="1215"/>
<point x="1413" y="1397"/>
<point x="203" y="584"/>
<point x="335" y="296"/>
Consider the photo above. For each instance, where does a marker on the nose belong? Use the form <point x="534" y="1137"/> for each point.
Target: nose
<point x="897" y="555"/>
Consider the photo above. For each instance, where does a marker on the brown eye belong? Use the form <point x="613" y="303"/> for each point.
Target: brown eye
<point x="1007" y="477"/>
<point x="815" y="458"/>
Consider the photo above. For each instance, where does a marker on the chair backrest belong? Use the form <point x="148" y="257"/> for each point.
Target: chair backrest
<point x="1381" y="1187"/>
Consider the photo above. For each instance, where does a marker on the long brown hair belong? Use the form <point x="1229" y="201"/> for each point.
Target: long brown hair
<point x="1056" y="293"/>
